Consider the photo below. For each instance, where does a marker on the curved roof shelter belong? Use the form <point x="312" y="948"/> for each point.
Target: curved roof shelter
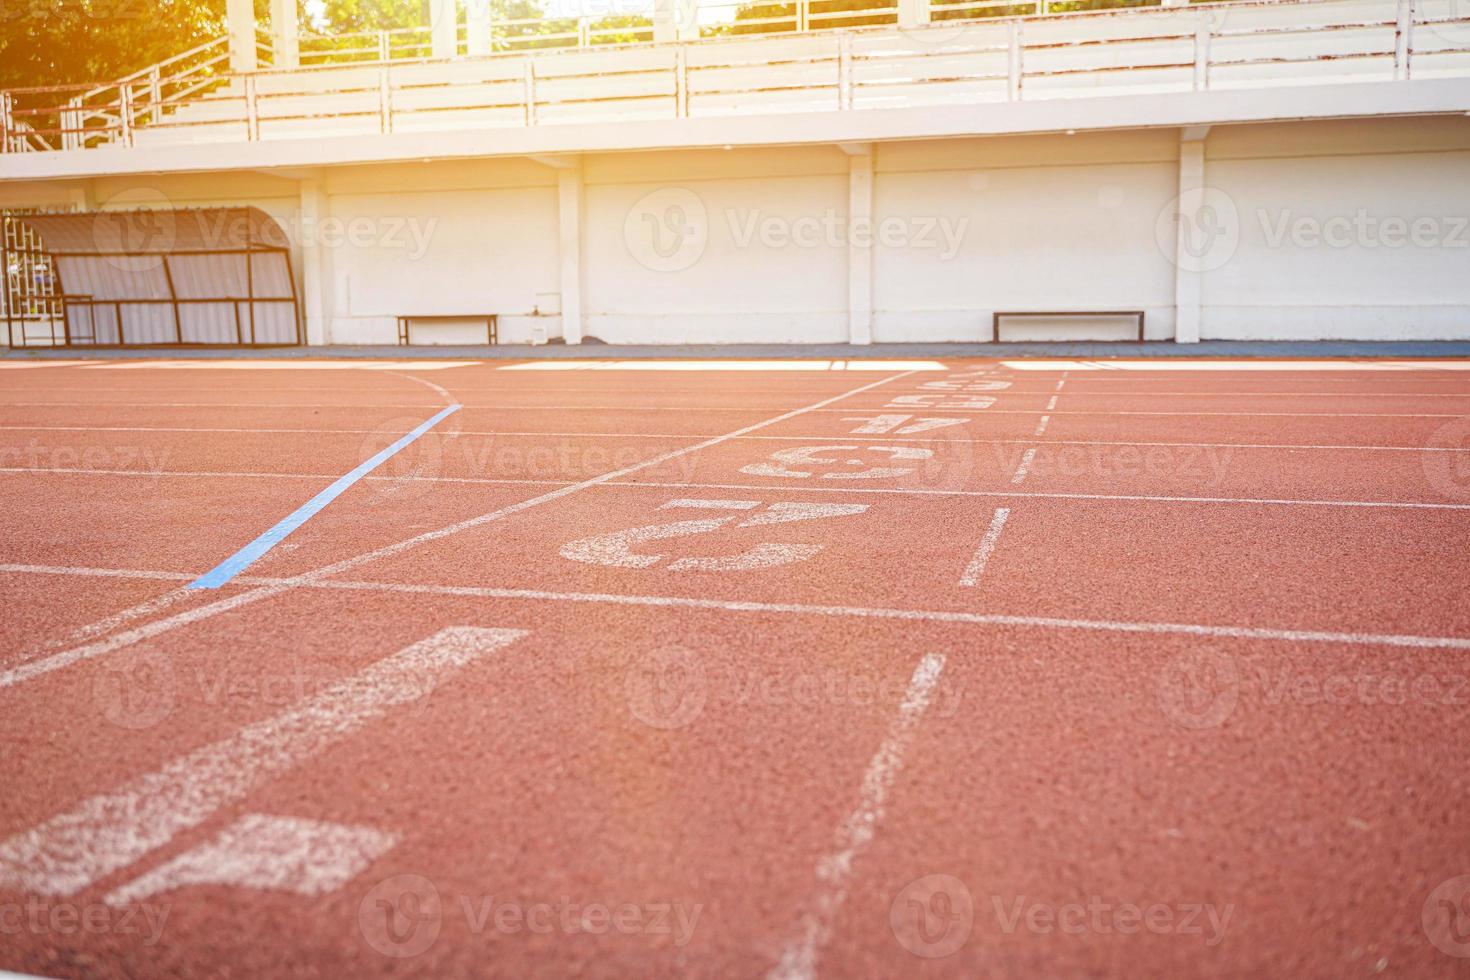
<point x="159" y="276"/>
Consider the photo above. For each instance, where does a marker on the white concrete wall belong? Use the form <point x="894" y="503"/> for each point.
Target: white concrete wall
<point x="693" y="248"/>
<point x="1043" y="223"/>
<point x="715" y="246"/>
<point x="1344" y="232"/>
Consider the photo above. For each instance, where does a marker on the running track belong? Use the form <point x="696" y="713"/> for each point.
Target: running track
<point x="1109" y="669"/>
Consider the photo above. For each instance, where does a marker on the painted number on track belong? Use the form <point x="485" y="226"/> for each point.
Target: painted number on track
<point x="802" y="461"/>
<point x="616" y="548"/>
<point x="899" y="425"/>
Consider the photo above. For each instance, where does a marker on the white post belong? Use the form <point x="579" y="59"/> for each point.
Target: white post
<point x="314" y="264"/>
<point x="82" y="196"/>
<point x="1186" y="273"/>
<point x="443" y="28"/>
<point x="285" y="34"/>
<point x="913" y="13"/>
<point x="1403" y="44"/>
<point x="1202" y="33"/>
<point x="676" y="20"/>
<point x="665" y="20"/>
<point x="569" y="217"/>
<point x="240" y="16"/>
<point x="1015" y="68"/>
<point x="477" y="23"/>
<point x="860" y="243"/>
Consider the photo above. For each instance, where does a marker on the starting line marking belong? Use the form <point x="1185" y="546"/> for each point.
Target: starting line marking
<point x="834" y="871"/>
<point x="1344" y="447"/>
<point x="65" y="658"/>
<point x="111" y="831"/>
<point x="910" y="402"/>
<point x="987" y="546"/>
<point x="276" y="586"/>
<point x="305" y="857"/>
<point x="252" y="552"/>
<point x="1025" y="467"/>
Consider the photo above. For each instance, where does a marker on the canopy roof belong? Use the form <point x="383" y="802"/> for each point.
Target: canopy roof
<point x="157" y="231"/>
<point x="196" y="276"/>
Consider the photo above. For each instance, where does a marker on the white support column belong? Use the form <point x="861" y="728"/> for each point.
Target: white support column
<point x="240" y="16"/>
<point x="82" y="196"/>
<point x="676" y="20"/>
<point x="315" y="297"/>
<point x="859" y="242"/>
<point x="569" y="218"/>
<point x="665" y="20"/>
<point x="444" y="28"/>
<point x="477" y="25"/>
<point x="285" y="34"/>
<point x="913" y="13"/>
<point x="1191" y="206"/>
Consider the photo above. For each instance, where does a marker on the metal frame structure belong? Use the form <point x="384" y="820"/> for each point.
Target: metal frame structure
<point x="492" y="325"/>
<point x="999" y="314"/>
<point x="70" y="303"/>
<point x="18" y="297"/>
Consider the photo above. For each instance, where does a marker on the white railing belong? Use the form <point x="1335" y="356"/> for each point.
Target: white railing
<point x="1245" y="43"/>
<point x="71" y="117"/>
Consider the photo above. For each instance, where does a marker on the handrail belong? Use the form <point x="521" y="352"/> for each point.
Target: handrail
<point x="1181" y="37"/>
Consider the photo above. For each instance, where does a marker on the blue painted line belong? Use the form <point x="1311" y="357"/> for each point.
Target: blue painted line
<point x="252" y="552"/>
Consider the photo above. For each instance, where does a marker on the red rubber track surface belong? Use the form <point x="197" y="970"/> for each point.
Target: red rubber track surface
<point x="1124" y="673"/>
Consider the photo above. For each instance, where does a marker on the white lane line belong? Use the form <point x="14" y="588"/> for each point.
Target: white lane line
<point x="894" y="437"/>
<point x="108" y="832"/>
<point x="778" y="391"/>
<point x="1057" y="495"/>
<point x="153" y="474"/>
<point x="798" y="609"/>
<point x="290" y="854"/>
<point x="1052" y="403"/>
<point x="1041" y="426"/>
<point x="395" y="405"/>
<point x="698" y="409"/>
<point x="977" y="564"/>
<point x="1062" y="381"/>
<point x="117" y="641"/>
<point x="835" y="870"/>
<point x="106" y="625"/>
<point x="1024" y="468"/>
<point x="1249" y="415"/>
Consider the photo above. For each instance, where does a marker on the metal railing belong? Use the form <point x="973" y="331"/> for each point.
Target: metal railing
<point x="71" y="117"/>
<point x="1001" y="58"/>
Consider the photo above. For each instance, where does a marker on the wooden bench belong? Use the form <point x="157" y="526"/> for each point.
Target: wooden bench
<point x="995" y="320"/>
<point x="492" y="324"/>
